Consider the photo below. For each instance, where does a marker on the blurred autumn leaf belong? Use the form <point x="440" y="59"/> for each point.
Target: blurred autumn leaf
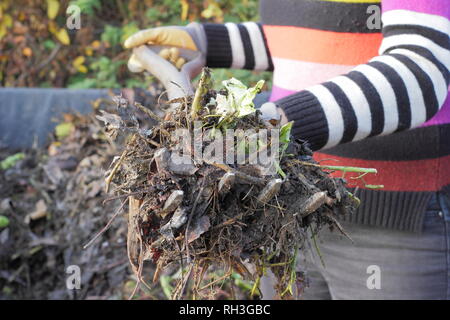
<point x="78" y="64"/>
<point x="37" y="49"/>
<point x="52" y="8"/>
<point x="6" y="20"/>
<point x="213" y="11"/>
<point x="60" y="33"/>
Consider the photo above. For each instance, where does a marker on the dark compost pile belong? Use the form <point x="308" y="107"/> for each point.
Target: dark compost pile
<point x="51" y="205"/>
<point x="206" y="212"/>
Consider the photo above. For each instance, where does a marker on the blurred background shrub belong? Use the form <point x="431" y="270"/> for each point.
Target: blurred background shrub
<point x="37" y="50"/>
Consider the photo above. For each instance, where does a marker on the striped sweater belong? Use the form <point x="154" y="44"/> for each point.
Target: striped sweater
<point x="343" y="78"/>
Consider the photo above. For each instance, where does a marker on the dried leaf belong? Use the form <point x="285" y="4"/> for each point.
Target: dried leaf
<point x="5" y="24"/>
<point x="63" y="36"/>
<point x="112" y="121"/>
<point x="201" y="225"/>
<point x="54" y="172"/>
<point x="213" y="11"/>
<point x="184" y="9"/>
<point x="39" y="212"/>
<point x="60" y="34"/>
<point x="78" y="63"/>
<point x="27" y="52"/>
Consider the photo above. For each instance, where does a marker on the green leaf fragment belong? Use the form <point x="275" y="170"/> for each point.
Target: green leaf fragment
<point x="285" y="132"/>
<point x="241" y="283"/>
<point x="4" y="222"/>
<point x="11" y="161"/>
<point x="279" y="170"/>
<point x="166" y="286"/>
<point x="374" y="186"/>
<point x="62" y="130"/>
<point x="239" y="99"/>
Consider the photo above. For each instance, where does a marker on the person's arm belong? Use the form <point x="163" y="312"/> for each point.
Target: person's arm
<point x="400" y="89"/>
<point x="237" y="46"/>
<point x="229" y="45"/>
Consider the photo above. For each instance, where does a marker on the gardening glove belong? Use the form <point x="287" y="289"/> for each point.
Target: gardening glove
<point x="174" y="55"/>
<point x="178" y="45"/>
<point x="191" y="37"/>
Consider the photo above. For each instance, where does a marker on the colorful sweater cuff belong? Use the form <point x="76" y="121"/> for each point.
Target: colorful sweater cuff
<point x="310" y="122"/>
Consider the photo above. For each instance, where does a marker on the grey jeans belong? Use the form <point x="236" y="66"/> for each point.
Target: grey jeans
<point x="381" y="264"/>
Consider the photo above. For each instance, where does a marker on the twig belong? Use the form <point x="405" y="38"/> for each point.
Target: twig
<point x="139" y="272"/>
<point x="316" y="246"/>
<point x="106" y="227"/>
<point x="215" y="281"/>
<point x="126" y="195"/>
<point x="339" y="168"/>
<point x="147" y="111"/>
<point x="179" y="291"/>
<point x="49" y="58"/>
<point x="114" y="170"/>
<point x="338" y="225"/>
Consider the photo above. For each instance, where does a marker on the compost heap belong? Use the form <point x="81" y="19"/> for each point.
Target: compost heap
<point x="205" y="212"/>
<point x="51" y="205"/>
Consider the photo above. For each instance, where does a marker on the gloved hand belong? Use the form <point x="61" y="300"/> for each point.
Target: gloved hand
<point x="174" y="55"/>
<point x="176" y="44"/>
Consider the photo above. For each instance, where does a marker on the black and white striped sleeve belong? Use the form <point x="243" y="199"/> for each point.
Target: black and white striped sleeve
<point x="237" y="46"/>
<point x="400" y="89"/>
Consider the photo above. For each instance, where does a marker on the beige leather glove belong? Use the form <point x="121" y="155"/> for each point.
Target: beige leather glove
<point x="191" y="37"/>
<point x="176" y="55"/>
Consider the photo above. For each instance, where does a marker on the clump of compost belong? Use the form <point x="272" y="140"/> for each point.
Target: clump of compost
<point x="238" y="215"/>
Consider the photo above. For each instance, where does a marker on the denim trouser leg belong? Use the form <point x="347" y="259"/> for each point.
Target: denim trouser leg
<point x="383" y="264"/>
<point x="444" y="202"/>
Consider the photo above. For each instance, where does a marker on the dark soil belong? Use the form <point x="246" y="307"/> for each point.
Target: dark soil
<point x="53" y="199"/>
